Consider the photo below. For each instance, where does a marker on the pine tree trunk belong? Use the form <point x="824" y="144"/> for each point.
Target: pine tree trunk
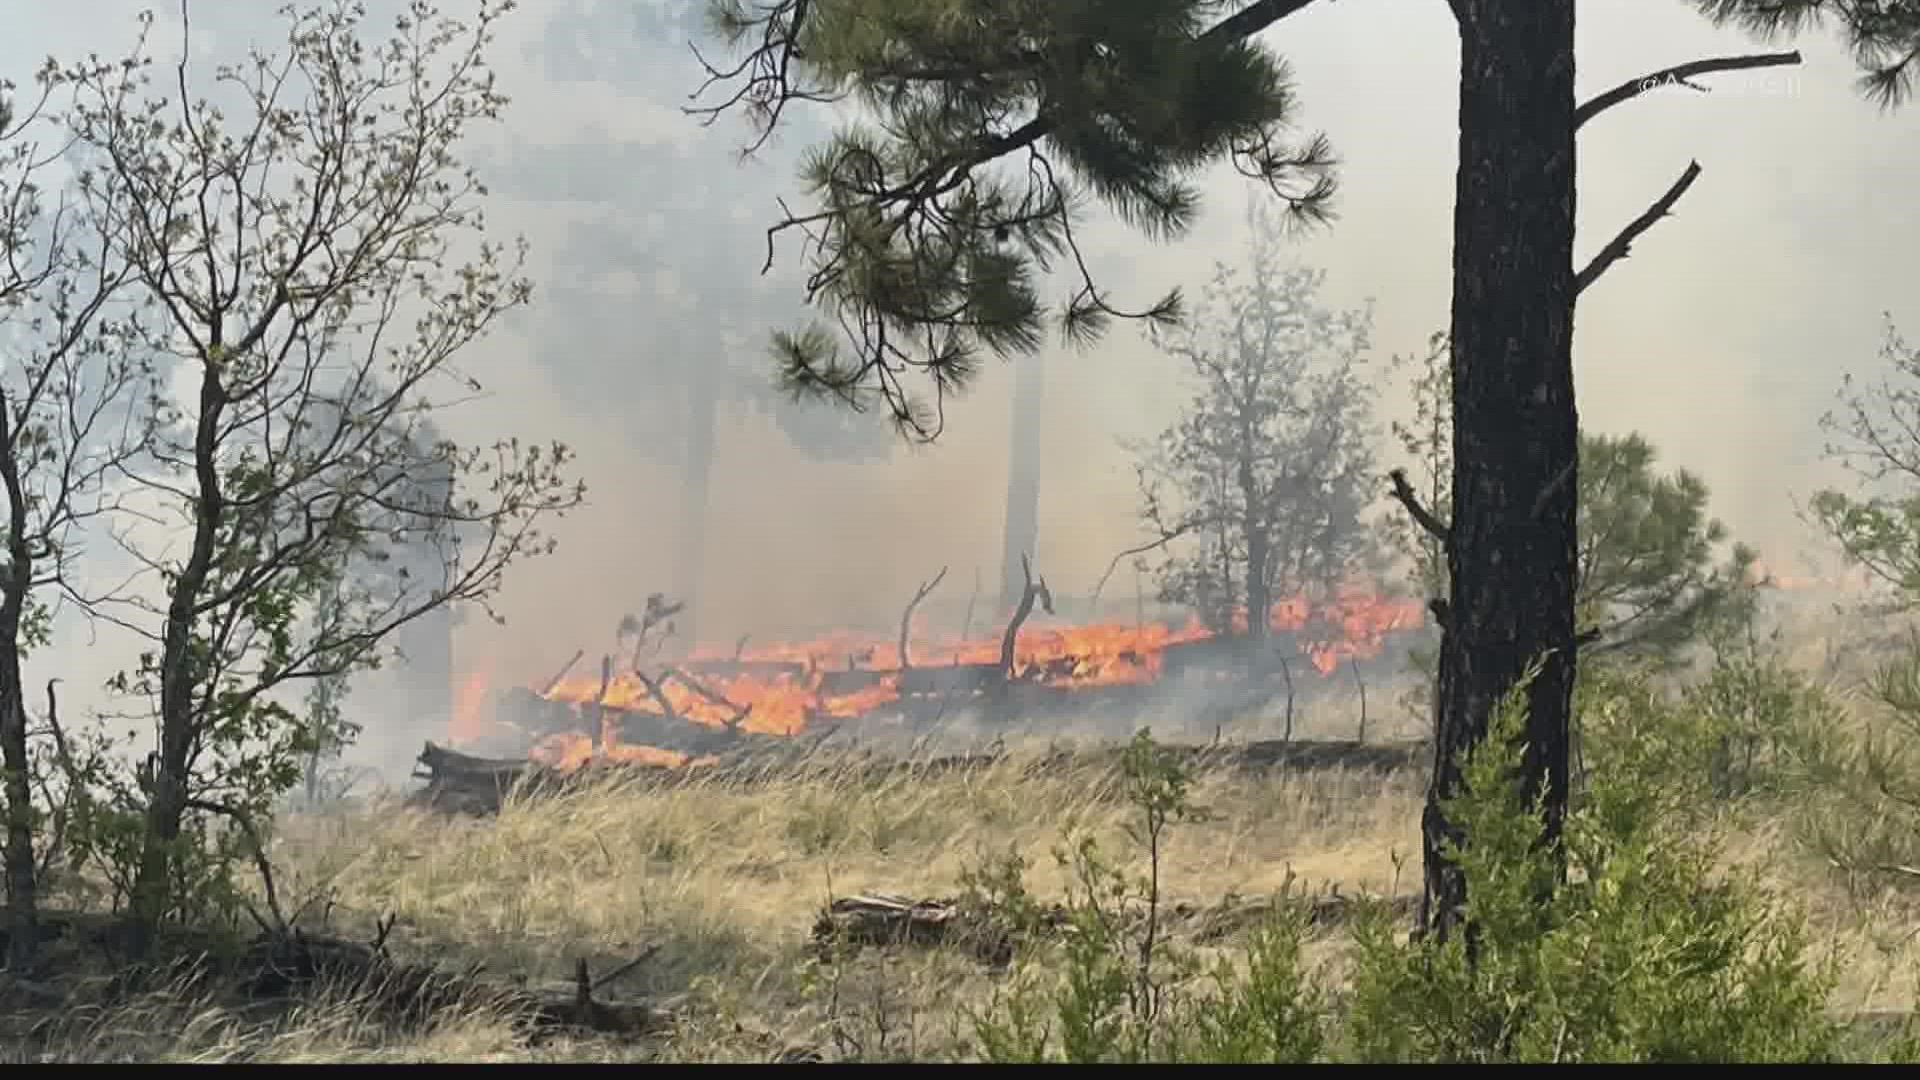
<point x="1515" y="425"/>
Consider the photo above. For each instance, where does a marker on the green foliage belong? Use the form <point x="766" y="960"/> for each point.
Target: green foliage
<point x="1259" y="489"/>
<point x="1865" y="783"/>
<point x="328" y="310"/>
<point x="1639" y="956"/>
<point x="1123" y="990"/>
<point x="1879" y="527"/>
<point x="929" y="253"/>
<point x="1883" y="35"/>
<point x="1644" y="952"/>
<point x="1649" y="584"/>
<point x="1862" y="802"/>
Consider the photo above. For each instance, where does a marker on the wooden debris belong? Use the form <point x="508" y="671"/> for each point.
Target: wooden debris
<point x="463" y="783"/>
<point x="288" y="963"/>
<point x="888" y="921"/>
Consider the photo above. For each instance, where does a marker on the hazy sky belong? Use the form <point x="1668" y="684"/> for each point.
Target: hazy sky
<point x="1722" y="338"/>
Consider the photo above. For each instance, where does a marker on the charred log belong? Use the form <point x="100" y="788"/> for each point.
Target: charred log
<point x="884" y="921"/>
<point x="463" y="783"/>
<point x="283" y="964"/>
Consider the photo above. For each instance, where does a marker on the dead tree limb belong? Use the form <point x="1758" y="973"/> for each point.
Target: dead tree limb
<point x="1679" y="74"/>
<point x="1033" y="591"/>
<point x="1142" y="549"/>
<point x="1621" y="244"/>
<point x="258" y="849"/>
<point x="1286" y="672"/>
<point x="562" y="673"/>
<point x="56" y="843"/>
<point x="740" y="712"/>
<point x="658" y="694"/>
<point x="906" y="617"/>
<point x="646" y="954"/>
<point x="966" y="623"/>
<point x="1354" y="663"/>
<point x="1403" y="492"/>
<point x="600" y="701"/>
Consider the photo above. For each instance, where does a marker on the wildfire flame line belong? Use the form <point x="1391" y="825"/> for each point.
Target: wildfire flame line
<point x="786" y="684"/>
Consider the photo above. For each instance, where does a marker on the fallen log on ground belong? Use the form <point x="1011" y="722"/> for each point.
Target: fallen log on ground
<point x="466" y="784"/>
<point x="882" y="920"/>
<point x="282" y="964"/>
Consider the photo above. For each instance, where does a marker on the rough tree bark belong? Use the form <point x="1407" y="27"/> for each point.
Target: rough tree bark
<point x="1512" y="540"/>
<point x="166" y="775"/>
<point x="23" y="929"/>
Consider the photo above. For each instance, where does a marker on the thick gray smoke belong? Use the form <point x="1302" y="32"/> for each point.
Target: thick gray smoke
<point x="1722" y="339"/>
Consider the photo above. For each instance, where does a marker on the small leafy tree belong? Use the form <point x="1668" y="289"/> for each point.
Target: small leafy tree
<point x="1878" y="528"/>
<point x="1259" y="489"/>
<point x="72" y="377"/>
<point x="302" y="239"/>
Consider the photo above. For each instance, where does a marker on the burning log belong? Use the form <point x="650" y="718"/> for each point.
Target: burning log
<point x="740" y="712"/>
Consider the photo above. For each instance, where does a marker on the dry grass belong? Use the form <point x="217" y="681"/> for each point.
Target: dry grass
<point x="726" y="880"/>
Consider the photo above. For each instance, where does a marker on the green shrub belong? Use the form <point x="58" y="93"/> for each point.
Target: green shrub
<point x="1636" y="952"/>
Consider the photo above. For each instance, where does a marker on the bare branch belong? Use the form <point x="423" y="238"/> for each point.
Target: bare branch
<point x="256" y="846"/>
<point x="925" y="220"/>
<point x="1404" y="493"/>
<point x="1681" y="75"/>
<point x="1617" y="248"/>
<point x="740" y="712"/>
<point x="906" y="617"/>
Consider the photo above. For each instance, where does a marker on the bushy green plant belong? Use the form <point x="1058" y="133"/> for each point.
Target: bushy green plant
<point x="1626" y="945"/>
<point x="1636" y="954"/>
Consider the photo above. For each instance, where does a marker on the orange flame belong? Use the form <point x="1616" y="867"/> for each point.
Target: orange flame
<point x="470" y="722"/>
<point x="567" y="751"/>
<point x="792" y="683"/>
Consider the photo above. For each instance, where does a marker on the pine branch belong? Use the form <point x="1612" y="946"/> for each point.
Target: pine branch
<point x="1681" y="74"/>
<point x="956" y="289"/>
<point x="1621" y="244"/>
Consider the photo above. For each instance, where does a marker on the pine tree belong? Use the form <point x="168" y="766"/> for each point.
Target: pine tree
<point x="1649" y="581"/>
<point x="925" y="252"/>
